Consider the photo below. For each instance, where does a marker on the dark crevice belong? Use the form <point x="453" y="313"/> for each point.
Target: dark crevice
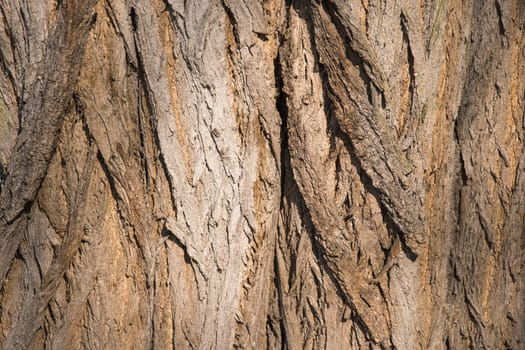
<point x="143" y="85"/>
<point x="283" y="334"/>
<point x="488" y="235"/>
<point x="261" y="36"/>
<point x="92" y="21"/>
<point x="3" y="174"/>
<point x="113" y="188"/>
<point x="404" y="246"/>
<point x="110" y="13"/>
<point x="462" y="171"/>
<point x="502" y="30"/>
<point x="285" y="172"/>
<point x="233" y="22"/>
<point x="461" y="124"/>
<point x="286" y="175"/>
<point x="410" y="59"/>
<point x="142" y="136"/>
<point x="277" y="150"/>
<point x="21" y="102"/>
<point x="173" y="238"/>
<point x="169" y="8"/>
<point x="369" y="88"/>
<point x="134" y="20"/>
<point x="282" y="109"/>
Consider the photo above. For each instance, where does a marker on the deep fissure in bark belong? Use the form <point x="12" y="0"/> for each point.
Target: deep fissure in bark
<point x="328" y="95"/>
<point x="410" y="60"/>
<point x="144" y="93"/>
<point x="282" y="108"/>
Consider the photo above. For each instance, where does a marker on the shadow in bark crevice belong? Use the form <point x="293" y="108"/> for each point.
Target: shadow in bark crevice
<point x="337" y="132"/>
<point x="293" y="194"/>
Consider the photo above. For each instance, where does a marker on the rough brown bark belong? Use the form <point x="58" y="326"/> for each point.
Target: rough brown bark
<point x="262" y="174"/>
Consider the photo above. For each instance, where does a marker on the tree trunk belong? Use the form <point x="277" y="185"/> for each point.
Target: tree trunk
<point x="262" y="174"/>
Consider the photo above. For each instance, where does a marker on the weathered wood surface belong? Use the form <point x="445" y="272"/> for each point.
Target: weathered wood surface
<point x="262" y="174"/>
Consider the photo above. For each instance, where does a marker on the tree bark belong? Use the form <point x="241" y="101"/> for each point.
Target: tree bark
<point x="262" y="174"/>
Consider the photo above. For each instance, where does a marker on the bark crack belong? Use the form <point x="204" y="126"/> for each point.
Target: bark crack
<point x="233" y="23"/>
<point x="282" y="109"/>
<point x="502" y="30"/>
<point x="143" y="85"/>
<point x="410" y="59"/>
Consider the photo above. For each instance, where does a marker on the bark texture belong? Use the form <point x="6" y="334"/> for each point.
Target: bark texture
<point x="262" y="174"/>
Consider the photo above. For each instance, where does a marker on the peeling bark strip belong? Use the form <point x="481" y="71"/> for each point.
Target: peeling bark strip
<point x="276" y="174"/>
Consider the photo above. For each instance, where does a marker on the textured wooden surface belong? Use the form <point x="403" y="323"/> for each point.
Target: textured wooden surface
<point x="262" y="174"/>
